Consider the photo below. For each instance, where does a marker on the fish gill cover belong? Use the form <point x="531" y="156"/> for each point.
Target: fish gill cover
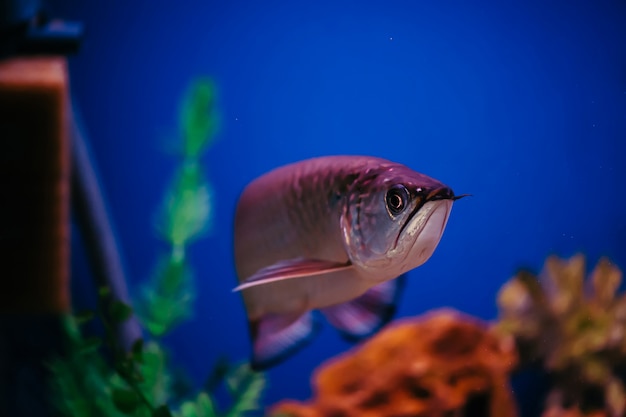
<point x="96" y="377"/>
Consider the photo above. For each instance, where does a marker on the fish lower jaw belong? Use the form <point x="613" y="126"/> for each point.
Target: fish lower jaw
<point x="430" y="234"/>
<point x="380" y="272"/>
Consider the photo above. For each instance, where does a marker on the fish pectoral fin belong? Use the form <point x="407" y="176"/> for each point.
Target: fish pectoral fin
<point x="366" y="314"/>
<point x="292" y="268"/>
<point x="275" y="337"/>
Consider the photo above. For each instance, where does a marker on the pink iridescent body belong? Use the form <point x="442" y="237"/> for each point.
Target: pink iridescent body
<point x="325" y="233"/>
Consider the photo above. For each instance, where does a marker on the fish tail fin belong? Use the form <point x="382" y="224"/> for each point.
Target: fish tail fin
<point x="275" y="337"/>
<point x="365" y="315"/>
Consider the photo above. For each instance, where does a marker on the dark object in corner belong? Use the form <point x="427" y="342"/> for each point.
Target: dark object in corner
<point x="26" y="30"/>
<point x="34" y="211"/>
<point x="34" y="235"/>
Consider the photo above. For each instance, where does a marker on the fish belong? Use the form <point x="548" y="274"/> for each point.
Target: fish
<point x="335" y="234"/>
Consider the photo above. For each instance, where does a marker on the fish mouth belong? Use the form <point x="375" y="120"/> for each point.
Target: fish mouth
<point x="413" y="226"/>
<point x="444" y="193"/>
<point x="424" y="231"/>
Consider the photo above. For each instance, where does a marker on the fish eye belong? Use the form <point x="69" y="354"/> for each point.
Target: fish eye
<point x="397" y="199"/>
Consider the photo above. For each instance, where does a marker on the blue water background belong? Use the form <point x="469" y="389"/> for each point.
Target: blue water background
<point x="522" y="104"/>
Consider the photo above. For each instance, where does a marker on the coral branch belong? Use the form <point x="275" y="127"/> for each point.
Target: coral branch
<point x="575" y="328"/>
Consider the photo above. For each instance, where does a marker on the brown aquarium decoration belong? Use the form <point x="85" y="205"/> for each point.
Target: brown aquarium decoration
<point x="443" y="364"/>
<point x="575" y="329"/>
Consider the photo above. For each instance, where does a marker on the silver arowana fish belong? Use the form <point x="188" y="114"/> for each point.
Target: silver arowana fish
<point x="331" y="233"/>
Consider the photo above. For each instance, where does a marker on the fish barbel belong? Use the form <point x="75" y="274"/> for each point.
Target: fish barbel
<point x="331" y="233"/>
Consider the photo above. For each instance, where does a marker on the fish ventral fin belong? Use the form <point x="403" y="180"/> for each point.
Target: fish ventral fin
<point x="366" y="314"/>
<point x="275" y="337"/>
<point x="292" y="268"/>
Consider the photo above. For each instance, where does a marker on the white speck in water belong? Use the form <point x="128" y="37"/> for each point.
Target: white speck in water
<point x="390" y="38"/>
<point x="236" y="118"/>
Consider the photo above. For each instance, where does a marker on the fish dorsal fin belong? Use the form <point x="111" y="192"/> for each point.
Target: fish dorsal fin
<point x="364" y="315"/>
<point x="292" y="268"/>
<point x="275" y="337"/>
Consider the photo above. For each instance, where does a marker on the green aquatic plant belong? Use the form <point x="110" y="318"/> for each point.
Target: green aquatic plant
<point x="139" y="383"/>
<point x="244" y="387"/>
<point x="574" y="328"/>
<point x="85" y="384"/>
<point x="95" y="376"/>
<point x="184" y="215"/>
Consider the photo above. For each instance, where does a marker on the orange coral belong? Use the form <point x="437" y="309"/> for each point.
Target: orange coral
<point x="444" y="364"/>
